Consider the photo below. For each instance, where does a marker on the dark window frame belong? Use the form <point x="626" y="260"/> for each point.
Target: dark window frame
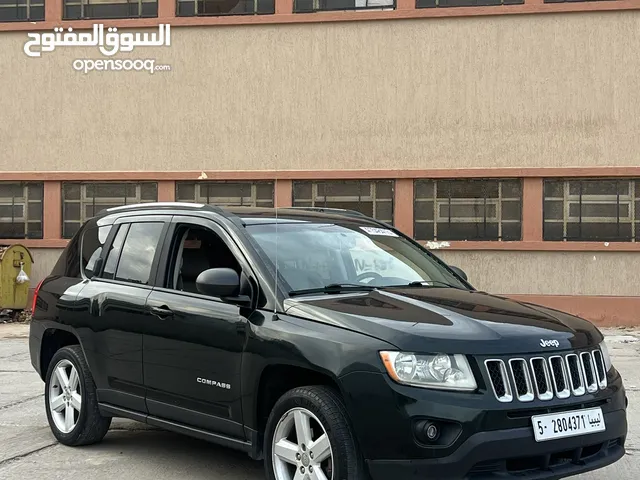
<point x="208" y="199"/>
<point x="85" y="10"/>
<point x="465" y="3"/>
<point x="436" y="203"/>
<point x="317" y="200"/>
<point x="25" y="202"/>
<point x="313" y="6"/>
<point x="621" y="201"/>
<point x="192" y="8"/>
<point x="98" y="203"/>
<point x="28" y="11"/>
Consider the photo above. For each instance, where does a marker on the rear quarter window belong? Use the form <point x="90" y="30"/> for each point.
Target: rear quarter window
<point x="93" y="240"/>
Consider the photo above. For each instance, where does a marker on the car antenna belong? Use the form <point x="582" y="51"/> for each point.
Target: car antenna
<point x="275" y="292"/>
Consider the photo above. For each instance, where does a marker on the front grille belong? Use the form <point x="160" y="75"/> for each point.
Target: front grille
<point x="559" y="376"/>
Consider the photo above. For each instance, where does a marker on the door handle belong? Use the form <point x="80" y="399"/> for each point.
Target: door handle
<point x="161" y="312"/>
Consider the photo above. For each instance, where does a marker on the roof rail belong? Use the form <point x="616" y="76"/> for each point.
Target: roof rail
<point x="337" y="211"/>
<point x="172" y="205"/>
<point x="180" y="205"/>
<point x="163" y="205"/>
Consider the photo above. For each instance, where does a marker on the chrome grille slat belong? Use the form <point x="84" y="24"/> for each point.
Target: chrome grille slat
<point x="521" y="379"/>
<point x="547" y="376"/>
<point x="542" y="377"/>
<point x="499" y="380"/>
<point x="589" y="370"/>
<point x="560" y="377"/>
<point x="575" y="375"/>
<point x="601" y="374"/>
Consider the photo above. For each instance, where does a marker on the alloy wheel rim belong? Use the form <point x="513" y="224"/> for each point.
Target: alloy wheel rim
<point x="301" y="448"/>
<point x="65" y="398"/>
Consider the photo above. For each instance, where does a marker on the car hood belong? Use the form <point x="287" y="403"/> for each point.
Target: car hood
<point x="448" y="320"/>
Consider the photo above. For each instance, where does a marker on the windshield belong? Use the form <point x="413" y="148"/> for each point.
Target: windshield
<point x="312" y="255"/>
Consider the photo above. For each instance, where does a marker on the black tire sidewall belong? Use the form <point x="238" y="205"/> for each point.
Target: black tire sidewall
<point x="71" y="437"/>
<point x="339" y="448"/>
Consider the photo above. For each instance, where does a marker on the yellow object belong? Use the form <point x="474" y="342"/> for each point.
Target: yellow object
<point x="15" y="273"/>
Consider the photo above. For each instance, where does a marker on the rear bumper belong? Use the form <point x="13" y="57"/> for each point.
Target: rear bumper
<point x="514" y="453"/>
<point x="36" y="331"/>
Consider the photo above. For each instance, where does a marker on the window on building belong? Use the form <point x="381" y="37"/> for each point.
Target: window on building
<point x="483" y="209"/>
<point x="85" y="9"/>
<point x="21" y="210"/>
<point x="465" y="3"/>
<point x="21" y="10"/>
<point x="138" y="252"/>
<point x="563" y="1"/>
<point x="373" y="198"/>
<point x="306" y="6"/>
<point x="82" y="201"/>
<point x="194" y="8"/>
<point x="230" y="194"/>
<point x="592" y="210"/>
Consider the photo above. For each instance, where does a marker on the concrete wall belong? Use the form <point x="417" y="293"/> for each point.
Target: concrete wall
<point x="550" y="273"/>
<point x="44" y="259"/>
<point x="505" y="91"/>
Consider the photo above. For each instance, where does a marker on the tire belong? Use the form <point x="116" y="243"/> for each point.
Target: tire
<point x="88" y="426"/>
<point x="324" y="408"/>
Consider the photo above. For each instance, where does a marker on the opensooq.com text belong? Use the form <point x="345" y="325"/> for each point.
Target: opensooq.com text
<point x="119" y="65"/>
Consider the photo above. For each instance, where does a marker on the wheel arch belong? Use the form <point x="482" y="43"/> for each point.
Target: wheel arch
<point x="53" y="339"/>
<point x="277" y="379"/>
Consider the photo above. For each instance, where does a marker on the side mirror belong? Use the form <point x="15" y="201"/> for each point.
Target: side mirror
<point x="218" y="282"/>
<point x="459" y="272"/>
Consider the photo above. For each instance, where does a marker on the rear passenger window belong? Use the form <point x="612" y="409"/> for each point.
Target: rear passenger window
<point x="114" y="253"/>
<point x="92" y="242"/>
<point x="138" y="252"/>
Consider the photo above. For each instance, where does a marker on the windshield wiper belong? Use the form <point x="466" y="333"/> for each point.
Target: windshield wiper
<point x="428" y="283"/>
<point x="334" y="288"/>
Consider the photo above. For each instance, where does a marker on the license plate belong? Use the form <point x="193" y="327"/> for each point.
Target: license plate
<point x="567" y="424"/>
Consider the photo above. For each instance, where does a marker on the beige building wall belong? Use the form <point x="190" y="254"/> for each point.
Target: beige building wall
<point x="550" y="273"/>
<point x="494" y="91"/>
<point x="44" y="259"/>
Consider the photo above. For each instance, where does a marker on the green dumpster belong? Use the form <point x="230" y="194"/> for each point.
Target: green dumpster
<point x="15" y="272"/>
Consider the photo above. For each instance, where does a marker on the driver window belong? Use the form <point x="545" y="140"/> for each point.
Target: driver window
<point x="197" y="249"/>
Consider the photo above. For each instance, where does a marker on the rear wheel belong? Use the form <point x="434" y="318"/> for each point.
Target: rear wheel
<point x="71" y="401"/>
<point x="308" y="437"/>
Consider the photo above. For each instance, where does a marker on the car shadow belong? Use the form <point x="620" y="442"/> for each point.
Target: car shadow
<point x="159" y="454"/>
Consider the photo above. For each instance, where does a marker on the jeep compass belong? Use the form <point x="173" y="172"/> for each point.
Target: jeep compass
<point x="324" y="342"/>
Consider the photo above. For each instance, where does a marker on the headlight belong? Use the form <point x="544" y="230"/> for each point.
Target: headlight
<point x="447" y="372"/>
<point x="605" y="356"/>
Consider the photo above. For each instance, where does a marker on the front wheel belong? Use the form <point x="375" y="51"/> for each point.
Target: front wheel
<point x="71" y="401"/>
<point x="308" y="437"/>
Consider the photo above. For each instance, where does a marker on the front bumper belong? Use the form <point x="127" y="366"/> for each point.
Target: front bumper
<point x="487" y="439"/>
<point x="514" y="453"/>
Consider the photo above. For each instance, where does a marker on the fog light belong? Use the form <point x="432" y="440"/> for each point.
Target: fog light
<point x="432" y="432"/>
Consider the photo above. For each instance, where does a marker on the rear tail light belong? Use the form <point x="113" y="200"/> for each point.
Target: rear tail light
<point x="35" y="297"/>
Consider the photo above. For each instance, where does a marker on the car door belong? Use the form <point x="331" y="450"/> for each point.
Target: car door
<point x="113" y="301"/>
<point x="193" y="344"/>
